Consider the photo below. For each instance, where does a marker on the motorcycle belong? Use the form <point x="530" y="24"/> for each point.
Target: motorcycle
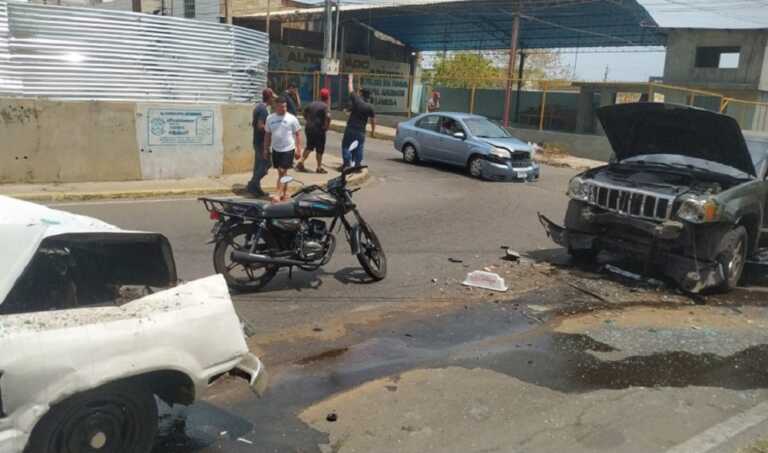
<point x="254" y="239"/>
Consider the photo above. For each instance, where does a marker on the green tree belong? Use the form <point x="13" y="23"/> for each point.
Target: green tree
<point x="465" y="69"/>
<point x="488" y="69"/>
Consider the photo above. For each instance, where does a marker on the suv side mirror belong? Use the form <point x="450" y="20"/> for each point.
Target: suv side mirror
<point x="460" y="135"/>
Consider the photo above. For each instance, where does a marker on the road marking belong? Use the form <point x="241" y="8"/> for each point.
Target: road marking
<point x="723" y="432"/>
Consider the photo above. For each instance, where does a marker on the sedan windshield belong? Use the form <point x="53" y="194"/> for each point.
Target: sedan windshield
<point x="481" y="127"/>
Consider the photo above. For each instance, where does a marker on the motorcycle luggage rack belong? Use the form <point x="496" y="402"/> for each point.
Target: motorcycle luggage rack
<point x="231" y="207"/>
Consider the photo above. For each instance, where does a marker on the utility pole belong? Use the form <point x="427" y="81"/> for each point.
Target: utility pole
<point x="267" y="30"/>
<point x="135" y="6"/>
<point x="511" y="68"/>
<point x="336" y="33"/>
<point x="328" y="43"/>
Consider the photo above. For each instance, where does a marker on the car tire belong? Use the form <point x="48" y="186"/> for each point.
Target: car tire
<point x="257" y="276"/>
<point x="410" y="155"/>
<point x="732" y="256"/>
<point x="475" y="167"/>
<point x="119" y="417"/>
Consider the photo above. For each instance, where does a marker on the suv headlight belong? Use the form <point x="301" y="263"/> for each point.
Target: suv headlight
<point x="577" y="189"/>
<point x="698" y="209"/>
<point x="500" y="153"/>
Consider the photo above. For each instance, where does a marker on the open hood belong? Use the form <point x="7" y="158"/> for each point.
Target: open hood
<point x="652" y="128"/>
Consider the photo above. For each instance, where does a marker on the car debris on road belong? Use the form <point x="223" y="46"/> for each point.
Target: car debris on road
<point x="92" y="323"/>
<point x="485" y="280"/>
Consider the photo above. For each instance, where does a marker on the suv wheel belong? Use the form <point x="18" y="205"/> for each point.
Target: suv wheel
<point x="732" y="255"/>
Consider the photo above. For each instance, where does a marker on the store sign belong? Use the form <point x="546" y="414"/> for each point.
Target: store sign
<point x="299" y="59"/>
<point x="390" y="94"/>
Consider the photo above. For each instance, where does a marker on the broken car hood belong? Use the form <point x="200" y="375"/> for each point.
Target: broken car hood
<point x="510" y="143"/>
<point x="646" y="128"/>
<point x="24" y="225"/>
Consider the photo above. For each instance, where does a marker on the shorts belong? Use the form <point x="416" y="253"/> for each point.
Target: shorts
<point x="283" y="159"/>
<point x="315" y="140"/>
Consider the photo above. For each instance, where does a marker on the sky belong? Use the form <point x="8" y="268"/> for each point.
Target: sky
<point x="639" y="66"/>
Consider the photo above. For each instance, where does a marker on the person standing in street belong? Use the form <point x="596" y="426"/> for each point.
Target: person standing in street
<point x="317" y="120"/>
<point x="433" y="105"/>
<point x="293" y="99"/>
<point x="283" y="138"/>
<point x="261" y="158"/>
<point x="361" y="111"/>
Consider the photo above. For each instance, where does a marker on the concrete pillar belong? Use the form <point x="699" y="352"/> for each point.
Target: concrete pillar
<point x="607" y="97"/>
<point x="585" y="117"/>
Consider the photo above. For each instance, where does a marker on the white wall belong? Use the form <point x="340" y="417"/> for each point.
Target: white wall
<point x="205" y="10"/>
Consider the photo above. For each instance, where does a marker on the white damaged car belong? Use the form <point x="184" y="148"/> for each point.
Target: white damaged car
<point x="93" y="329"/>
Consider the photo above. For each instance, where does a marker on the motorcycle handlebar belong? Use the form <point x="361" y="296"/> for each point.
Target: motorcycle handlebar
<point x="307" y="189"/>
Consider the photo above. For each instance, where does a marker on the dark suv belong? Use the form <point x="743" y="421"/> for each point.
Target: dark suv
<point x="685" y="193"/>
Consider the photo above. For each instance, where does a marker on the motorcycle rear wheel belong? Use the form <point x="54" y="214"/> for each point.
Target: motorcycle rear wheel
<point x="371" y="255"/>
<point x="244" y="277"/>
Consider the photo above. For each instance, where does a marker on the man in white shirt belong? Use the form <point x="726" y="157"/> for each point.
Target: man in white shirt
<point x="283" y="139"/>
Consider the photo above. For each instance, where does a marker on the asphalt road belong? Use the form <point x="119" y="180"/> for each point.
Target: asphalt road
<point x="418" y="363"/>
<point x="423" y="216"/>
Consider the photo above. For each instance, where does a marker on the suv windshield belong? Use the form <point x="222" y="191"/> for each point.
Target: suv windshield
<point x="481" y="127"/>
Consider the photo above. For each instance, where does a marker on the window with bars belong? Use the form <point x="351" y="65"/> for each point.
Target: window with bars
<point x="189" y="9"/>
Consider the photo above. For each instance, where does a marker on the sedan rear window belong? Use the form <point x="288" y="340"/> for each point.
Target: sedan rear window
<point x="78" y="270"/>
<point x="430" y="123"/>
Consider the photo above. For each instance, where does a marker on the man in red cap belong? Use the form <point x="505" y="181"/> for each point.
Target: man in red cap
<point x="261" y="160"/>
<point x="318" y="119"/>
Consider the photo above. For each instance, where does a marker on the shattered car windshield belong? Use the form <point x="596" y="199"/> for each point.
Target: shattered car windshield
<point x="687" y="163"/>
<point x="483" y="128"/>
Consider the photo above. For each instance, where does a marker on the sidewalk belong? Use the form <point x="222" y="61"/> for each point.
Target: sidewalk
<point x="188" y="187"/>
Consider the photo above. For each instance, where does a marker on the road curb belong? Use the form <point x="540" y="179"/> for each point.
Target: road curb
<point x="50" y="197"/>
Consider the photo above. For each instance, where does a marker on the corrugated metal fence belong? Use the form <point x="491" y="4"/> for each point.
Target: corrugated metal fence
<point x="89" y="54"/>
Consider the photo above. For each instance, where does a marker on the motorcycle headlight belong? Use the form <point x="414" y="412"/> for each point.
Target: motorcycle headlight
<point x="698" y="209"/>
<point x="500" y="153"/>
<point x="577" y="189"/>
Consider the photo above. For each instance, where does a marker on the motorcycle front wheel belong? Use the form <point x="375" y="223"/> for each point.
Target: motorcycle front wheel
<point x="371" y="255"/>
<point x="244" y="277"/>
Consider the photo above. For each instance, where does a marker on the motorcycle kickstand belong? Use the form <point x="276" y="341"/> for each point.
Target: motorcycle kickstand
<point x="290" y="272"/>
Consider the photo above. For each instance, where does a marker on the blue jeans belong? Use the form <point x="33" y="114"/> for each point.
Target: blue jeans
<point x="354" y="157"/>
<point x="260" y="169"/>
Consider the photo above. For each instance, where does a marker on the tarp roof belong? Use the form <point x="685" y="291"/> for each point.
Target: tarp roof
<point x="486" y="24"/>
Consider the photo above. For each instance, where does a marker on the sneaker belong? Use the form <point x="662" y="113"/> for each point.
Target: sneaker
<point x="322" y="170"/>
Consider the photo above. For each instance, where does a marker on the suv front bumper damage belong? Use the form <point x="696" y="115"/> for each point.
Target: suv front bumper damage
<point x="691" y="274"/>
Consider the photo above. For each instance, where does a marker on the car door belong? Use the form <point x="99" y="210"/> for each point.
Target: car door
<point x="452" y="150"/>
<point x="428" y="136"/>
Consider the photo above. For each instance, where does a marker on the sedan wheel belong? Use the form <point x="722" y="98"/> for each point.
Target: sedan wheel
<point x="410" y="155"/>
<point x="476" y="167"/>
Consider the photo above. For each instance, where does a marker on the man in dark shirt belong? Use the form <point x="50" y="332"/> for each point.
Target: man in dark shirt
<point x="294" y="102"/>
<point x="361" y="111"/>
<point x="317" y="121"/>
<point x="261" y="160"/>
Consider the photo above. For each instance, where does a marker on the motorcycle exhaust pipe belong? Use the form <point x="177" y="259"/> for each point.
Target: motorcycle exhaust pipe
<point x="253" y="258"/>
